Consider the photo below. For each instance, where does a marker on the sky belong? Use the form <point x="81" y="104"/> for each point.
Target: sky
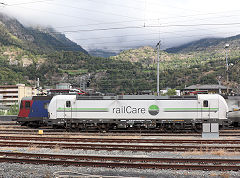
<point x="114" y="25"/>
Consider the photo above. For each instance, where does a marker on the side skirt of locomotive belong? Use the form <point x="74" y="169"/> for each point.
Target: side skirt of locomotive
<point x="34" y="122"/>
<point x="165" y="125"/>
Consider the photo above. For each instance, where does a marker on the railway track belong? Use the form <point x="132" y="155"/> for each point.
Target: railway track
<point x="10" y="127"/>
<point x="63" y="132"/>
<point x="124" y="162"/>
<point x="17" y="130"/>
<point x="8" y="131"/>
<point x="122" y="140"/>
<point x="121" y="147"/>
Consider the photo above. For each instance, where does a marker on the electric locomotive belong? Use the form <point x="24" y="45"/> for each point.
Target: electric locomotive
<point x="167" y="113"/>
<point x="234" y="109"/>
<point x="34" y="111"/>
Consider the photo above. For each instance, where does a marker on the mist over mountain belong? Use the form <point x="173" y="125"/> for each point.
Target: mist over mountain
<point x="101" y="53"/>
<point x="28" y="53"/>
<point x="34" y="39"/>
<point x="207" y="44"/>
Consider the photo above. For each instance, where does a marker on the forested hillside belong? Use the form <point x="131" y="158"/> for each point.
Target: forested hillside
<point x="27" y="54"/>
<point x="200" y="62"/>
<point x="37" y="40"/>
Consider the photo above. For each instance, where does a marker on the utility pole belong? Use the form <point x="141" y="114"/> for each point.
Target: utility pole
<point x="82" y="83"/>
<point x="219" y="85"/>
<point x="158" y="50"/>
<point x="226" y="47"/>
<point x="38" y="85"/>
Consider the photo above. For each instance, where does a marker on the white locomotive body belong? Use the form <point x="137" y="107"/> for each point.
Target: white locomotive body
<point x="233" y="103"/>
<point x="137" y="111"/>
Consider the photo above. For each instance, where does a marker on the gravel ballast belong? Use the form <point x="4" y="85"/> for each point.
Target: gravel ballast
<point x="31" y="170"/>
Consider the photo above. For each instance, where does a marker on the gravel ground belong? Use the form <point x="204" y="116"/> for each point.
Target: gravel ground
<point x="195" y="154"/>
<point x="35" y="171"/>
<point x="30" y="170"/>
<point x="38" y="171"/>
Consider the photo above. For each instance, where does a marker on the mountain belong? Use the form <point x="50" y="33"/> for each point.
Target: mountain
<point x="198" y="62"/>
<point x="31" y="53"/>
<point x="101" y="53"/>
<point x="28" y="53"/>
<point x="12" y="32"/>
<point x="206" y="44"/>
<point x="148" y="56"/>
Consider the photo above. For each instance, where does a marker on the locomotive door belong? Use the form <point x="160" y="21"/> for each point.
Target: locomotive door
<point x="25" y="107"/>
<point x="68" y="109"/>
<point x="204" y="109"/>
<point x="213" y="108"/>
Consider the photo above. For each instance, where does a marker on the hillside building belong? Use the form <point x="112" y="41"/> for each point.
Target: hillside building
<point x="12" y="94"/>
<point x="204" y="89"/>
<point x="63" y="86"/>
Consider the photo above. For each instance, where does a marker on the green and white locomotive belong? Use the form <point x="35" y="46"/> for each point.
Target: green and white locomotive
<point x="167" y="113"/>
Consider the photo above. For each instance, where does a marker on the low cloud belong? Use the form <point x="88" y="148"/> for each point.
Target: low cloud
<point x="173" y="22"/>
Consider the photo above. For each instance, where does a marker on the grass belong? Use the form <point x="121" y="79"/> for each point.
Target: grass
<point x="57" y="148"/>
<point x="225" y="175"/>
<point x="33" y="148"/>
<point x="222" y="175"/>
<point x="220" y="152"/>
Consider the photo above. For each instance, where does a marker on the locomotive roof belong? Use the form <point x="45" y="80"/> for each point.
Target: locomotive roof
<point x="42" y="97"/>
<point x="136" y="97"/>
<point x="27" y="98"/>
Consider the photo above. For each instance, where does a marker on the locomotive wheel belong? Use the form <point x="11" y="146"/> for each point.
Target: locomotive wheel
<point x="198" y="128"/>
<point x="103" y="127"/>
<point x="168" y="128"/>
<point x="33" y="125"/>
<point x="74" y="128"/>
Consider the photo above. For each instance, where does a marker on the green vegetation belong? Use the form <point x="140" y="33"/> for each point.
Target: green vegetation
<point x="28" y="54"/>
<point x="14" y="110"/>
<point x="2" y="113"/>
<point x="170" y="92"/>
<point x="111" y="75"/>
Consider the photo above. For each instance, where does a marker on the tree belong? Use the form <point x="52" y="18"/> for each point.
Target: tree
<point x="171" y="92"/>
<point x="14" y="109"/>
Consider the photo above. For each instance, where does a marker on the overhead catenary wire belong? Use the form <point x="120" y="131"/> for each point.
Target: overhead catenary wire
<point x="149" y="34"/>
<point x="110" y="13"/>
<point x="149" y="26"/>
<point x="154" y="40"/>
<point x="109" y="29"/>
<point x="153" y="26"/>
<point x="96" y="11"/>
<point x="157" y="19"/>
<point x="31" y="2"/>
<point x="55" y="13"/>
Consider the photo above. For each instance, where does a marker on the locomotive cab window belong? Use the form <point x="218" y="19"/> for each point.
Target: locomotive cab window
<point x="68" y="104"/>
<point x="205" y="103"/>
<point x="27" y="104"/>
<point x="21" y="106"/>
